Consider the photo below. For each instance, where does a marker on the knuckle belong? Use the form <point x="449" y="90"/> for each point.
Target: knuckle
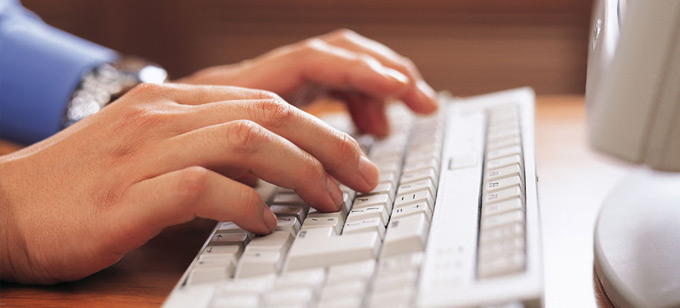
<point x="192" y="183"/>
<point x="144" y="116"/>
<point x="315" y="170"/>
<point x="243" y="136"/>
<point x="407" y="63"/>
<point x="342" y="33"/>
<point x="274" y="112"/>
<point x="262" y="94"/>
<point x="148" y="89"/>
<point x="250" y="198"/>
<point x="364" y="60"/>
<point x="347" y="148"/>
<point x="310" y="46"/>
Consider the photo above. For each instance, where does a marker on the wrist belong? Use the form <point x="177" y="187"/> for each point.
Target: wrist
<point x="8" y="232"/>
<point x="106" y="82"/>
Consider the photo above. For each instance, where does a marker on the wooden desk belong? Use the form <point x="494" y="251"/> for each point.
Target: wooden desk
<point x="573" y="180"/>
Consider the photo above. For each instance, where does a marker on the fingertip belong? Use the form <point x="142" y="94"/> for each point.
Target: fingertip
<point x="269" y="218"/>
<point x="421" y="98"/>
<point x="369" y="172"/>
<point x="428" y="95"/>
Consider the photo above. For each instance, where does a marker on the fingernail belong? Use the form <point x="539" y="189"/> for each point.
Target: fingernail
<point x="269" y="218"/>
<point x="334" y="191"/>
<point x="369" y="172"/>
<point x="394" y="74"/>
<point x="427" y="92"/>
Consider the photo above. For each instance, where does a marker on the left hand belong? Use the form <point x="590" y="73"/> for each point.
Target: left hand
<point x="360" y="71"/>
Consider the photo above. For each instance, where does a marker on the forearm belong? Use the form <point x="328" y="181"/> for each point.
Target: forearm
<point x="41" y="66"/>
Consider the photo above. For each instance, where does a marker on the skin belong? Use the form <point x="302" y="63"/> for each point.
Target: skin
<point x="164" y="154"/>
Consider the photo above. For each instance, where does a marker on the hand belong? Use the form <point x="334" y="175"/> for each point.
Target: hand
<point x="162" y="155"/>
<point x="362" y="72"/>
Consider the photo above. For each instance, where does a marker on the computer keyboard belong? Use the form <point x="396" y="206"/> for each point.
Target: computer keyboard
<point x="453" y="222"/>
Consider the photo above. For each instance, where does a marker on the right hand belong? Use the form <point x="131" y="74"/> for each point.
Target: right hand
<point x="162" y="155"/>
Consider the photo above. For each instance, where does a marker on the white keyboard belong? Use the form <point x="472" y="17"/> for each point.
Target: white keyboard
<point x="453" y="223"/>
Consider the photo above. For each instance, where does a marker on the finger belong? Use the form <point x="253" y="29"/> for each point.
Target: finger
<point x="199" y="94"/>
<point x="182" y="195"/>
<point x="338" y="152"/>
<point x="420" y="97"/>
<point x="368" y="114"/>
<point x="375" y="109"/>
<point x="318" y="62"/>
<point x="249" y="179"/>
<point x="247" y="145"/>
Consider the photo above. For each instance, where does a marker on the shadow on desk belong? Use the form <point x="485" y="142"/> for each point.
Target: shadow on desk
<point x="144" y="277"/>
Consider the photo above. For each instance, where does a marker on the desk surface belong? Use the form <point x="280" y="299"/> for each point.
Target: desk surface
<point x="573" y="181"/>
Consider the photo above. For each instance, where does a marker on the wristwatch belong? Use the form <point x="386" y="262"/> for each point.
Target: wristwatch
<point x="107" y="82"/>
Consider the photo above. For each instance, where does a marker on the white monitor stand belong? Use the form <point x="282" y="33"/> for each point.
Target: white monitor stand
<point x="637" y="241"/>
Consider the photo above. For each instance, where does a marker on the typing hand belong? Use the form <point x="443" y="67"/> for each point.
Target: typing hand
<point x="344" y="64"/>
<point x="162" y="155"/>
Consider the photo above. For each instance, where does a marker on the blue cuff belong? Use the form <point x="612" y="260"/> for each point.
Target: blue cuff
<point x="40" y="66"/>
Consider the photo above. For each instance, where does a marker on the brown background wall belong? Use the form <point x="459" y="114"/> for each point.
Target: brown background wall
<point x="466" y="46"/>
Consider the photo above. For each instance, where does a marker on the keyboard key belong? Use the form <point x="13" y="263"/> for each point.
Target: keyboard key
<point x="384" y="188"/>
<point x="288" y="199"/>
<point x="503" y="152"/>
<point x="413" y="209"/>
<point x="288" y="296"/>
<point x="236" y="301"/>
<point x="378" y="211"/>
<point x="341" y="214"/>
<point x="278" y="241"/>
<point x="313" y="222"/>
<point x="494" y="221"/>
<point x="397" y="280"/>
<point x="343" y="302"/>
<point x="502" y="195"/>
<point x="251" y="285"/>
<point x="400" y="263"/>
<point x="493" y="137"/>
<point x="422" y="164"/>
<point x="221" y="238"/>
<point x="502" y="143"/>
<point x="406" y="235"/>
<point x="317" y="251"/>
<point x="365" y="225"/>
<point x="504" y="172"/>
<point x="492" y="250"/>
<point x="494" y="185"/>
<point x="503" y="162"/>
<point x="388" y="177"/>
<point x="359" y="271"/>
<point x="210" y="273"/>
<point x="364" y="201"/>
<point x="415" y="197"/>
<point x="504" y="232"/>
<point x="255" y="263"/>
<point x="416" y="186"/>
<point x="223" y="250"/>
<point x="308" y="279"/>
<point x="352" y="288"/>
<point x="389" y="167"/>
<point x="397" y="298"/>
<point x="418" y="175"/>
<point x="502" y="207"/>
<point x="289" y="210"/>
<point x="504" y="265"/>
<point x="230" y="227"/>
<point x="288" y="224"/>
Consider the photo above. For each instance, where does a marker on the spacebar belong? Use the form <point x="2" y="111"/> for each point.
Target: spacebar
<point x="311" y="250"/>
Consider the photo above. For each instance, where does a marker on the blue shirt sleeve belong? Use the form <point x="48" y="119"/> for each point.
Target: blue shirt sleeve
<point x="40" y="66"/>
